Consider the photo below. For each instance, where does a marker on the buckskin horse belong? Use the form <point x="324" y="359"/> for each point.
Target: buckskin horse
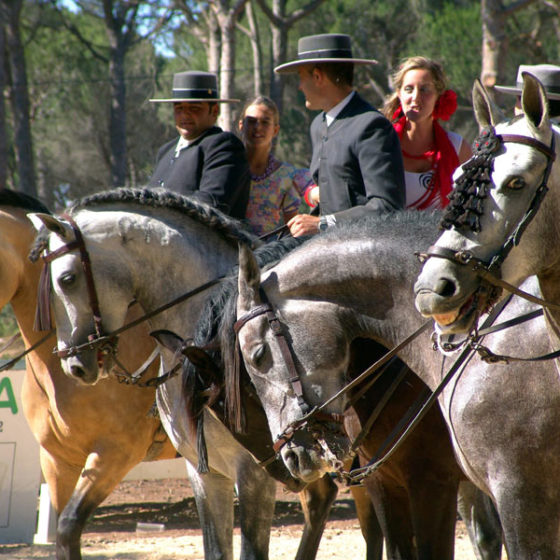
<point x="89" y="437"/>
<point x="151" y="247"/>
<point x="501" y="227"/>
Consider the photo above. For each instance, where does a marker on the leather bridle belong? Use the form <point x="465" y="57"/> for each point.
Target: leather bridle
<point x="104" y="342"/>
<point x="98" y="339"/>
<point x="277" y="328"/>
<point x="486" y="148"/>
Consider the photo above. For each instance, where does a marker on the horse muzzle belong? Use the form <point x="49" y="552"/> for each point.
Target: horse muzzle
<point x="313" y="451"/>
<point x="83" y="367"/>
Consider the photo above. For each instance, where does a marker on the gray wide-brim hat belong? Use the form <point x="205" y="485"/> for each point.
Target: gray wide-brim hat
<point x="547" y="74"/>
<point x="324" y="48"/>
<point x="194" y="86"/>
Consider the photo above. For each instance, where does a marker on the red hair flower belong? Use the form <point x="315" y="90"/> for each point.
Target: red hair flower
<point x="446" y="105"/>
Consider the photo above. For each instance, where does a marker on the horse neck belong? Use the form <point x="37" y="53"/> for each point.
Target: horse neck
<point x="169" y="256"/>
<point x="20" y="290"/>
<point x="550" y="288"/>
<point x="544" y="256"/>
<point x="372" y="290"/>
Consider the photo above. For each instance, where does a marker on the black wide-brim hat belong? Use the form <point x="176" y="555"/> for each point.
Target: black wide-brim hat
<point x="194" y="86"/>
<point x="324" y="48"/>
<point x="547" y="74"/>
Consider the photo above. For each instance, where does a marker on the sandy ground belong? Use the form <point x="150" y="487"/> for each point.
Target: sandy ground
<point x="113" y="531"/>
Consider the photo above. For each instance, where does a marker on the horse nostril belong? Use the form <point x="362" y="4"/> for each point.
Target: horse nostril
<point x="444" y="287"/>
<point x="77" y="371"/>
<point x="291" y="458"/>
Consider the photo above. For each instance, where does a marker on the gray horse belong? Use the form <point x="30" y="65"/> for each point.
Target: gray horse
<point x="513" y="234"/>
<point x="502" y="417"/>
<point x="327" y="295"/>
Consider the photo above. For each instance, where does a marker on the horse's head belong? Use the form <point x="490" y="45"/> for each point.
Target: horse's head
<point x="290" y="375"/>
<point x="88" y="287"/>
<point x="491" y="224"/>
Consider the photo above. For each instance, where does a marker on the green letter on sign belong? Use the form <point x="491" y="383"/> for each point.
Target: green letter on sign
<point x="10" y="400"/>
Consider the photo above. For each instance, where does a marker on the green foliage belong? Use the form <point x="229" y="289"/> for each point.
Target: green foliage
<point x="453" y="36"/>
<point x="71" y="98"/>
<point x="70" y="93"/>
<point x="8" y="324"/>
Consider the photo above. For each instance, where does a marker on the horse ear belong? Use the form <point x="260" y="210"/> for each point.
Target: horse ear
<point x="485" y="110"/>
<point x="169" y="340"/>
<point x="52" y="223"/>
<point x="249" y="278"/>
<point x="534" y="102"/>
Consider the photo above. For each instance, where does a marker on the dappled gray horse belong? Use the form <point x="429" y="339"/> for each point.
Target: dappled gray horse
<point x="351" y="284"/>
<point x="501" y="227"/>
<point x="152" y="247"/>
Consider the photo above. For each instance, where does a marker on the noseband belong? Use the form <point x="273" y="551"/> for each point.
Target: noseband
<point x="472" y="187"/>
<point x="293" y="376"/>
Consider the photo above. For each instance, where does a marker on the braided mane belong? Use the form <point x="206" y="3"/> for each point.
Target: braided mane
<point x="231" y="229"/>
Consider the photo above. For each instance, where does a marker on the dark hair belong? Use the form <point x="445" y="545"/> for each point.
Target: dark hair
<point x="339" y="73"/>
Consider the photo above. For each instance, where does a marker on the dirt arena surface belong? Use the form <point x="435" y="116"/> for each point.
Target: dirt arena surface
<point x="113" y="532"/>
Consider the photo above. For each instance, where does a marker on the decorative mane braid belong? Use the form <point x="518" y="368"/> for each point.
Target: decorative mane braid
<point x="233" y="230"/>
<point x="472" y="187"/>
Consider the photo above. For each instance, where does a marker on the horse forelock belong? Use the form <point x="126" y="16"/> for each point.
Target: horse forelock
<point x="232" y="230"/>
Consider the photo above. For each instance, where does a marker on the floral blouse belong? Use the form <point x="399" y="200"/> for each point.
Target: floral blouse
<point x="279" y="193"/>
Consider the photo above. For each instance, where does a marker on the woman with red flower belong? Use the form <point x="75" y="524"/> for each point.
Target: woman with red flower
<point x="430" y="153"/>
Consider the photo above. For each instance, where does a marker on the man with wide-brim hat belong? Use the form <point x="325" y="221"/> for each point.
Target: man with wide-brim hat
<point x="548" y="75"/>
<point x="357" y="161"/>
<point x="205" y="161"/>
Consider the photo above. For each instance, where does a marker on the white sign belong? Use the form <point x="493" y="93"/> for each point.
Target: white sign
<point x="20" y="472"/>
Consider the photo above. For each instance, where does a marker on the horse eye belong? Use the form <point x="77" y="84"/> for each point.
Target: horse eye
<point x="516" y="183"/>
<point x="258" y="355"/>
<point x="67" y="279"/>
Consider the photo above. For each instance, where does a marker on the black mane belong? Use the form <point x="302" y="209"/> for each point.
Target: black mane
<point x="21" y="200"/>
<point x="232" y="230"/>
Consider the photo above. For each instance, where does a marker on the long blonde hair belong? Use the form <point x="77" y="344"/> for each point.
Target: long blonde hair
<point x="414" y="63"/>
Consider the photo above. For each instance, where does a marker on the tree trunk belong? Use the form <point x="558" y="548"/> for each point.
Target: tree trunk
<point x="494" y="43"/>
<point x="279" y="55"/>
<point x="19" y="97"/>
<point x="117" y="118"/>
<point x="227" y="68"/>
<point x="214" y="43"/>
<point x="3" y="127"/>
<point x="280" y="24"/>
<point x="494" y="40"/>
<point x="256" y="49"/>
<point x="227" y="18"/>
